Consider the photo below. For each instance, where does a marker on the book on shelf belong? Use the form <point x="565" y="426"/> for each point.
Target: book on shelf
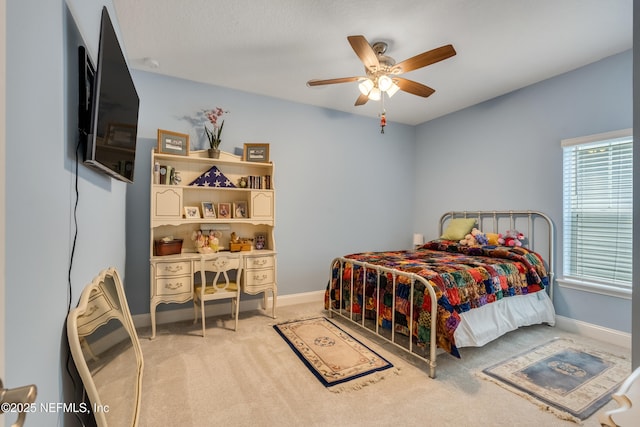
<point x="259" y="182"/>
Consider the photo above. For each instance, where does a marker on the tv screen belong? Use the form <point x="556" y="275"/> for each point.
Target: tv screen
<point x="111" y="143"/>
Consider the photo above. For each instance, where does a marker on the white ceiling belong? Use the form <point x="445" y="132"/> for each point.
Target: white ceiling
<point x="273" y="47"/>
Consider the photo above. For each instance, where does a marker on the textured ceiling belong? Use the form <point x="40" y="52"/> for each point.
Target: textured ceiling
<point x="273" y="47"/>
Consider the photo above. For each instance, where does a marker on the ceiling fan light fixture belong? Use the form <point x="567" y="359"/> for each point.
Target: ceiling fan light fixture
<point x="365" y="86"/>
<point x="392" y="89"/>
<point x="384" y="83"/>
<point x="374" y="95"/>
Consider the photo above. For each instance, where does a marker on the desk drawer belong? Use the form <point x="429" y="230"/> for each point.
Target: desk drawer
<point x="266" y="261"/>
<point x="173" y="269"/>
<point x="179" y="285"/>
<point x="258" y="278"/>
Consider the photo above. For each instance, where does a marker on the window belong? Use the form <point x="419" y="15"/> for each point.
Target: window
<point x="598" y="209"/>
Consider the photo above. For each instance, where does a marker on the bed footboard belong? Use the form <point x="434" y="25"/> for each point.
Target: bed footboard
<point x="347" y="290"/>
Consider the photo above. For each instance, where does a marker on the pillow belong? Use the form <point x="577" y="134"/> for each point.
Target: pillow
<point x="458" y="228"/>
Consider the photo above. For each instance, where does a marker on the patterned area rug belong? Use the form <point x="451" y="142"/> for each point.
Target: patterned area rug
<point x="334" y="356"/>
<point x="569" y="380"/>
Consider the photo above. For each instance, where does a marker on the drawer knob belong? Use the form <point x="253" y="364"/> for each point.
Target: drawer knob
<point x="173" y="287"/>
<point x="259" y="278"/>
<point x="259" y="262"/>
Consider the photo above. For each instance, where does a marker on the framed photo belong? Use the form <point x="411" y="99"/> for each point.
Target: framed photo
<point x="191" y="212"/>
<point x="256" y="153"/>
<point x="224" y="210"/>
<point x="240" y="210"/>
<point x="121" y="135"/>
<point x="208" y="211"/>
<point x="173" y="143"/>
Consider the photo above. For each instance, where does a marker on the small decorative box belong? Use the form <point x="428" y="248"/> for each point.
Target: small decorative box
<point x="171" y="247"/>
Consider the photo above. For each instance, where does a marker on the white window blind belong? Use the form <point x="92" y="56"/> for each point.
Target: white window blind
<point x="598" y="208"/>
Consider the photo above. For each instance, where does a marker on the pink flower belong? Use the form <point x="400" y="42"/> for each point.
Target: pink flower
<point x="213" y="135"/>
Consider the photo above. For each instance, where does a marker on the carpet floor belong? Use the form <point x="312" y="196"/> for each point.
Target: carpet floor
<point x="252" y="378"/>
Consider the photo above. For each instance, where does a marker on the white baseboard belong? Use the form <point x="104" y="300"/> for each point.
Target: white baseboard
<point x="184" y="314"/>
<point x="600" y="333"/>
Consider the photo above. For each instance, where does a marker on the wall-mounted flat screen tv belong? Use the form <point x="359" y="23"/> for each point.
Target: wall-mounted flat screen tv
<point x="113" y="128"/>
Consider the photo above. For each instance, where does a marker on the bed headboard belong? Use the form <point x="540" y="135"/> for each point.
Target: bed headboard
<point x="536" y="226"/>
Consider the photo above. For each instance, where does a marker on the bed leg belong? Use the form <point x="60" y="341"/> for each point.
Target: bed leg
<point x="432" y="369"/>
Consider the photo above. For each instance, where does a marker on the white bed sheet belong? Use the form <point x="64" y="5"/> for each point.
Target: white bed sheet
<point x="484" y="324"/>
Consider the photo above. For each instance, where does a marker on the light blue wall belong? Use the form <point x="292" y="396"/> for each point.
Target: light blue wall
<point x="505" y="154"/>
<point x="41" y="137"/>
<point x="317" y="153"/>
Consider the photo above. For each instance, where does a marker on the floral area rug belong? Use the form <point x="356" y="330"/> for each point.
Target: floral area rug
<point x="567" y="379"/>
<point x="332" y="355"/>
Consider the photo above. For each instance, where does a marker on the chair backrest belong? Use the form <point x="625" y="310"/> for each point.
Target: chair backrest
<point x="219" y="265"/>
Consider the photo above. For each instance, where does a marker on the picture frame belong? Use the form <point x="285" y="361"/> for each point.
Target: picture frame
<point x="256" y="153"/>
<point x="208" y="211"/>
<point x="173" y="142"/>
<point x="191" y="212"/>
<point x="240" y="210"/>
<point x="224" y="210"/>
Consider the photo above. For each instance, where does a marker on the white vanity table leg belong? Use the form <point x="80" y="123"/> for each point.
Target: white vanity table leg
<point x="153" y="321"/>
<point x="274" y="294"/>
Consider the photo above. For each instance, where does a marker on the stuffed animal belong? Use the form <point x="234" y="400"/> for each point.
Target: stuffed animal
<point x="493" y="238"/>
<point x="511" y="238"/>
<point x="468" y="240"/>
<point x="475" y="238"/>
<point x="480" y="237"/>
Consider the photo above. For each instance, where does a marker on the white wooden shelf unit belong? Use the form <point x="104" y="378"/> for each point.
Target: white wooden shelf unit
<point x="172" y="275"/>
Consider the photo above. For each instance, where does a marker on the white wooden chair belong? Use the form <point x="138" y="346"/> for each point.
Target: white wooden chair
<point x="628" y="397"/>
<point x="219" y="286"/>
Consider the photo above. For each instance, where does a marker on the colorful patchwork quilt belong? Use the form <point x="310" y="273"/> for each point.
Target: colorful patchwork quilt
<point x="463" y="277"/>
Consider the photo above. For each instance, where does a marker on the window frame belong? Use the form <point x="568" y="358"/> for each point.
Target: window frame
<point x="584" y="283"/>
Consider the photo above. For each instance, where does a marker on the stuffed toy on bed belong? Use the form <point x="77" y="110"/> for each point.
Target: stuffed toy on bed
<point x="511" y="238"/>
<point x="475" y="238"/>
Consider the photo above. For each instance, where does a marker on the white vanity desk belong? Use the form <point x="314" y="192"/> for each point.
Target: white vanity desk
<point x="172" y="278"/>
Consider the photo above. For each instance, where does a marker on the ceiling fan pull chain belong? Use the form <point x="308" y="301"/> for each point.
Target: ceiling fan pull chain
<point x="383" y="115"/>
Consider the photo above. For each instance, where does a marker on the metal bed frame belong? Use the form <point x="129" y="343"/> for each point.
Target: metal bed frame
<point x="488" y="222"/>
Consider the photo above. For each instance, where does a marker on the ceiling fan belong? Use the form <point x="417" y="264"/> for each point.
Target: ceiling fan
<point x="382" y="72"/>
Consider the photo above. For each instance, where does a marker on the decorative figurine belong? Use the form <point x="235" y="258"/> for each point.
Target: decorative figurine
<point x="214" y="242"/>
<point x="260" y="241"/>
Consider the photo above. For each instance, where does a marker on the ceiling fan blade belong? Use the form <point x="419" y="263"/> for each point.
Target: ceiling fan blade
<point x="425" y="58"/>
<point x="365" y="52"/>
<point x="333" y="81"/>
<point x="413" y="87"/>
<point x="362" y="99"/>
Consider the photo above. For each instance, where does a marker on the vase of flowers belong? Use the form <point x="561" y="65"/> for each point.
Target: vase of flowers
<point x="214" y="134"/>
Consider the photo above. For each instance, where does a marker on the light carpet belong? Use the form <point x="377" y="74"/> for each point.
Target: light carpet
<point x="331" y="354"/>
<point x="569" y="379"/>
<point x="251" y="378"/>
